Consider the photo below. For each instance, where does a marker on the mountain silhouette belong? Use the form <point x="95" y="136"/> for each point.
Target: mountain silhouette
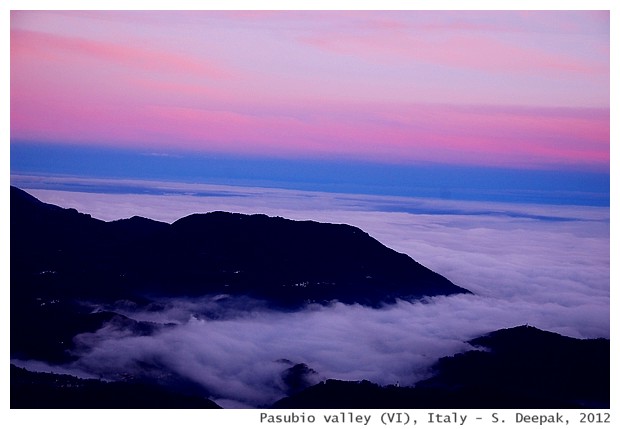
<point x="527" y="362"/>
<point x="62" y="253"/>
<point x="522" y="367"/>
<point x="48" y="390"/>
<point x="61" y="258"/>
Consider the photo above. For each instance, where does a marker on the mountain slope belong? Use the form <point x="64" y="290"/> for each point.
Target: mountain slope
<point x="530" y="363"/>
<point x="64" y="262"/>
<point x="62" y="253"/>
<point x="48" y="390"/>
<point x="521" y="367"/>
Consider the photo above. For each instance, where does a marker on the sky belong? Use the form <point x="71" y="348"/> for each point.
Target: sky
<point x="417" y="103"/>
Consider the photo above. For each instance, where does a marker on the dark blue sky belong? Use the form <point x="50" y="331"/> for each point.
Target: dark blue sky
<point x="423" y="180"/>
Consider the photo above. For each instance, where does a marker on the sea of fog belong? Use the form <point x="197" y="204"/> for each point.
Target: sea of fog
<point x="544" y="265"/>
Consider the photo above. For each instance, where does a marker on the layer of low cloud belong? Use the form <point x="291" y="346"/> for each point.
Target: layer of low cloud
<point x="239" y="357"/>
<point x="548" y="266"/>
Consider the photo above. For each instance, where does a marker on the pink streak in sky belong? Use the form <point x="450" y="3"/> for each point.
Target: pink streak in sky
<point x="467" y="52"/>
<point x="47" y="45"/>
<point x="508" y="89"/>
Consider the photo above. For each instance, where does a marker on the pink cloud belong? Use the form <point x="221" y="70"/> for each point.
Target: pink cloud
<point x="59" y="48"/>
<point x="399" y="134"/>
<point x="455" y="50"/>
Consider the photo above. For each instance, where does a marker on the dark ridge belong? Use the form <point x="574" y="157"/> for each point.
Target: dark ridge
<point x="532" y="363"/>
<point x="60" y="253"/>
<point x="338" y="394"/>
<point x="139" y="226"/>
<point x="62" y="262"/>
<point x="522" y="367"/>
<point x="297" y="378"/>
<point x="45" y="329"/>
<point x="39" y="390"/>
